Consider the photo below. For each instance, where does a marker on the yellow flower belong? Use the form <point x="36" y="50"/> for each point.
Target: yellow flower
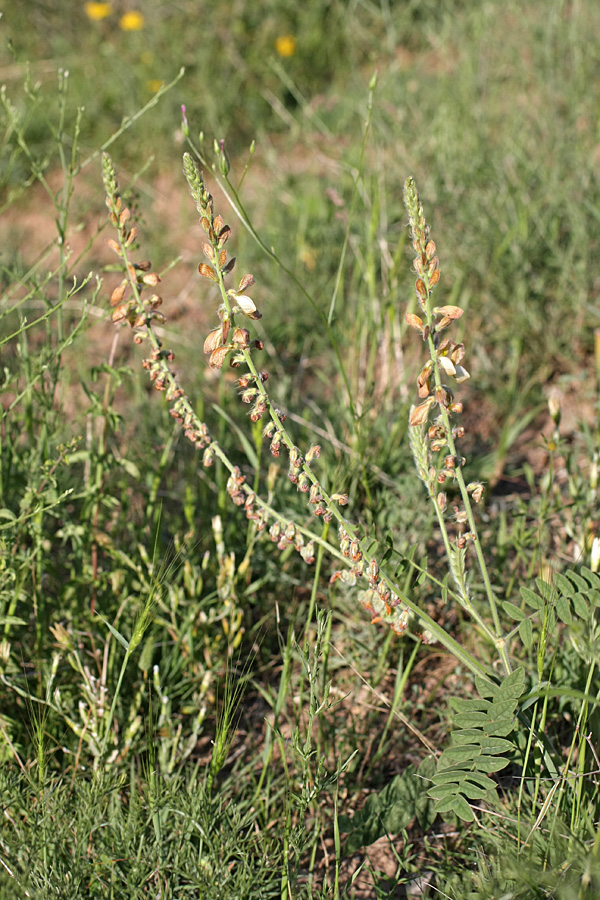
<point x="97" y="11"/>
<point x="286" y="45"/>
<point x="132" y="21"/>
<point x="154" y="85"/>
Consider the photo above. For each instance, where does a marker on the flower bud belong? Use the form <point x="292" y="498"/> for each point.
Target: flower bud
<point x="595" y="555"/>
<point x="313" y="452"/>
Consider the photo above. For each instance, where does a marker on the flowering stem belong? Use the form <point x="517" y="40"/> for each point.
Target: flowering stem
<point x="237" y="206"/>
<point x="445" y="357"/>
<point x="385" y="599"/>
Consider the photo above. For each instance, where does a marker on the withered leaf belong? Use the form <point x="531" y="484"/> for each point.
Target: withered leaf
<point x="246" y="281"/>
<point x="419" y="414"/>
<point x="207" y="271"/>
<point x="114" y="246"/>
<point x="217" y="357"/>
<point x="453" y="312"/>
<point x="414" y="321"/>
<point x="213" y="340"/>
<point x="118" y="294"/>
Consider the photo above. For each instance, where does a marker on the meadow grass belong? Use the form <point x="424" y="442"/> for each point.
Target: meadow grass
<point x="330" y="633"/>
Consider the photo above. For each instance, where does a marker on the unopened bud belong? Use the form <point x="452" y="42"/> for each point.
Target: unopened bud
<point x="554" y="406"/>
<point x="313" y="452"/>
<point x="223" y="159"/>
<point x="595" y="555"/>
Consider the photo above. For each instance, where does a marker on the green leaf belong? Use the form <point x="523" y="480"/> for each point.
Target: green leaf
<point x="563" y="585"/>
<point x="512" y="686"/>
<point x="470" y="720"/>
<point x="477" y="746"/>
<point x="579" y="582"/>
<point x="130" y="467"/>
<point x="453" y="756"/>
<point x="563" y="610"/>
<point x="495" y="746"/>
<point x="513" y="611"/>
<point x="526" y="633"/>
<point x="580" y="606"/>
<point x="492" y="763"/>
<point x="546" y="590"/>
<point x="454" y="776"/>
<point x="123" y="641"/>
<point x="502" y="709"/>
<point x="501" y="729"/>
<point x="594" y="597"/>
<point x="531" y="598"/>
<point x="473" y="791"/>
<point x="593" y="578"/>
<point x="441" y="791"/>
<point x="462" y="706"/>
<point x="482" y="780"/>
<point x="484" y="687"/>
<point x="446" y="805"/>
<point x="465" y="736"/>
<point x="463" y="810"/>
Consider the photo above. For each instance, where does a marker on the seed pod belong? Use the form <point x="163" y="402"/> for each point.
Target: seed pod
<point x="414" y="322"/>
<point x="342" y="499"/>
<point x="117" y="295"/>
<point x="246" y="282"/>
<point x="241" y="337"/>
<point x="114" y="246"/>
<point x="355" y="551"/>
<point x="313" y="452"/>
<point x="217" y="357"/>
<point x="120" y="312"/>
<point x="213" y="340"/>
<point x="207" y="271"/>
